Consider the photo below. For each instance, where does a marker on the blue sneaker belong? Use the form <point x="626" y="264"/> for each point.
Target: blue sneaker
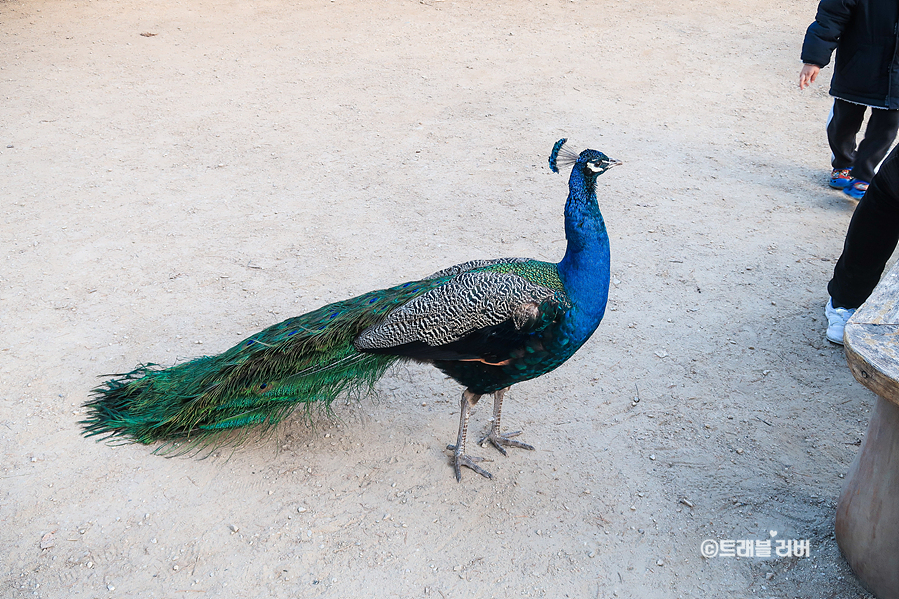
<point x="840" y="178"/>
<point x="856" y="189"/>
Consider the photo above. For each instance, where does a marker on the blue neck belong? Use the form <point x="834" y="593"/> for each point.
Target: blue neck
<point x="585" y="268"/>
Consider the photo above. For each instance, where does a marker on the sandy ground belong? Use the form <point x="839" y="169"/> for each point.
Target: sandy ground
<point x="164" y="196"/>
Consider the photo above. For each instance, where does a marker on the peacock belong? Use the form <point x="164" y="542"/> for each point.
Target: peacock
<point x="488" y="324"/>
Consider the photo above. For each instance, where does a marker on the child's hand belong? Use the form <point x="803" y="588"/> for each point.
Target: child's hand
<point x="808" y="74"/>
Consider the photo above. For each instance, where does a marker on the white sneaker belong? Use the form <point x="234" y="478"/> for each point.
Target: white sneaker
<point x="836" y="321"/>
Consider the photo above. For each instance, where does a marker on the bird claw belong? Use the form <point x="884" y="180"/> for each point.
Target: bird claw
<point x="468" y="461"/>
<point x="499" y="439"/>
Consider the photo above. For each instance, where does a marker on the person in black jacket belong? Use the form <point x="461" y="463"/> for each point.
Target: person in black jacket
<point x="865" y="34"/>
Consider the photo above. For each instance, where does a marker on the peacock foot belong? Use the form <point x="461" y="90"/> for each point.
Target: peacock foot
<point x="461" y="459"/>
<point x="498" y="439"/>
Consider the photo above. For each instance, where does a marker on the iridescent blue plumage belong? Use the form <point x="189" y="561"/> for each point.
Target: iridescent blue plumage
<point x="487" y="323"/>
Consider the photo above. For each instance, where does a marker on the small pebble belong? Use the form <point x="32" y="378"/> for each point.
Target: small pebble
<point x="660" y="563"/>
<point x="301" y="509"/>
<point x="233" y="528"/>
<point x="652" y="457"/>
<point x="47" y="541"/>
<point x="110" y="587"/>
<point x="175" y="567"/>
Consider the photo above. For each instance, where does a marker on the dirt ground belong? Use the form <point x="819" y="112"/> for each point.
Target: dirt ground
<point x="165" y="195"/>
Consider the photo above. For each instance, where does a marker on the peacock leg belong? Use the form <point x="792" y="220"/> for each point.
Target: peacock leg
<point x="460" y="459"/>
<point x="497" y="438"/>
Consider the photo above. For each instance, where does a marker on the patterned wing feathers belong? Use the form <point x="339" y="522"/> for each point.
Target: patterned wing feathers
<point x="458" y="269"/>
<point x="466" y="303"/>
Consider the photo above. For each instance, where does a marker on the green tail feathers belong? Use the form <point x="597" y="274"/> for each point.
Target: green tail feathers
<point x="307" y="359"/>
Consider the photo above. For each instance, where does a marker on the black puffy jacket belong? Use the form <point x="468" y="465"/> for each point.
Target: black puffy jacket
<point x="865" y="34"/>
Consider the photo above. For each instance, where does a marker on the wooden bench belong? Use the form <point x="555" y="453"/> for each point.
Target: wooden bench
<point x="867" y="521"/>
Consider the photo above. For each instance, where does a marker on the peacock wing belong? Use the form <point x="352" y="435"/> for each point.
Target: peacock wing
<point x="458" y="269"/>
<point x="458" y="319"/>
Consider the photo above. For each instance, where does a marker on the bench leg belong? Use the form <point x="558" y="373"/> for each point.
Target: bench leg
<point x="867" y="521"/>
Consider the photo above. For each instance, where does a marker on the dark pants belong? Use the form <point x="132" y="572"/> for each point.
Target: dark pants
<point x="871" y="238"/>
<point x="843" y="126"/>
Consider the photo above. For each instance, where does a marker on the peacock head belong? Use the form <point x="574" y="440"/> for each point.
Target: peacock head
<point x="593" y="163"/>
